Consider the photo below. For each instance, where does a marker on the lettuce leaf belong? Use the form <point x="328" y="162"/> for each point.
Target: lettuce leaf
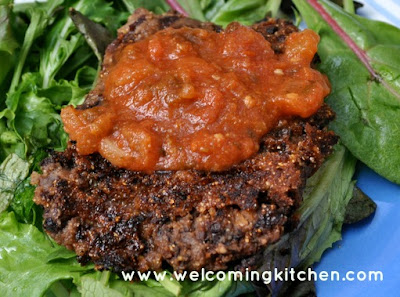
<point x="24" y="266"/>
<point x="12" y="171"/>
<point x="108" y="284"/>
<point x="33" y="119"/>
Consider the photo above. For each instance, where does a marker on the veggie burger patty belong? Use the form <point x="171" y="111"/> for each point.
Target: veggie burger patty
<point x="188" y="219"/>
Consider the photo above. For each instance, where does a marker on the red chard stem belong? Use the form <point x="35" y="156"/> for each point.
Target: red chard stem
<point x="361" y="54"/>
<point x="344" y="36"/>
<point x="176" y="6"/>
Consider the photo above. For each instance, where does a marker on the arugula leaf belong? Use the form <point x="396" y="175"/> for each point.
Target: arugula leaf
<point x="8" y="43"/>
<point x="24" y="269"/>
<point x="12" y="171"/>
<point x="298" y="289"/>
<point x="40" y="16"/>
<point x="63" y="38"/>
<point x="367" y="110"/>
<point x="193" y="8"/>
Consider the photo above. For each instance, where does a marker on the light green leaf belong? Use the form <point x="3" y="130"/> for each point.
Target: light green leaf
<point x="8" y="43"/>
<point x="12" y="171"/>
<point x="24" y="270"/>
<point x="157" y="6"/>
<point x="246" y="12"/>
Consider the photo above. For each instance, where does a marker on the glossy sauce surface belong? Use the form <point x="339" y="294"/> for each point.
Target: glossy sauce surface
<point x="190" y="98"/>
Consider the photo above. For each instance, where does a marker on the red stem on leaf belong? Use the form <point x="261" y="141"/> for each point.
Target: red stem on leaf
<point x="362" y="55"/>
<point x="346" y="38"/>
<point x="176" y="6"/>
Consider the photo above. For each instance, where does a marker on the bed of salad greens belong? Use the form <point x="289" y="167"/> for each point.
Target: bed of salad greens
<point x="49" y="57"/>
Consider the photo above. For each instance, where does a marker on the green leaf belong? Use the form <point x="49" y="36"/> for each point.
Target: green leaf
<point x="193" y="8"/>
<point x="40" y="16"/>
<point x="367" y="111"/>
<point x="157" y="6"/>
<point x="24" y="269"/>
<point x="33" y="119"/>
<point x="23" y="206"/>
<point x="63" y="38"/>
<point x="8" y="43"/>
<point x="107" y="284"/>
<point x="12" y="171"/>
<point x="359" y="207"/>
<point x="246" y="12"/>
<point x="95" y="34"/>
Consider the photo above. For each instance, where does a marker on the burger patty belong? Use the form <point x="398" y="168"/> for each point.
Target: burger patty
<point x="125" y="220"/>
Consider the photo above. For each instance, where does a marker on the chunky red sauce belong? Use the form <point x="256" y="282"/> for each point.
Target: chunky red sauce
<point x="190" y="98"/>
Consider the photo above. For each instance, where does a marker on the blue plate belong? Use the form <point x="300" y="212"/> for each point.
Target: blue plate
<point x="371" y="245"/>
<point x="374" y="244"/>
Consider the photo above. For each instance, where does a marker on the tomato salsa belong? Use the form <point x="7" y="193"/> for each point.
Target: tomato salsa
<point x="194" y="99"/>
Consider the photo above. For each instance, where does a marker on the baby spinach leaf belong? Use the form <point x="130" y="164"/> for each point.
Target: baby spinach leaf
<point x="366" y="101"/>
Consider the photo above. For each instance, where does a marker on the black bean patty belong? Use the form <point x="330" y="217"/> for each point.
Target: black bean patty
<point x="126" y="220"/>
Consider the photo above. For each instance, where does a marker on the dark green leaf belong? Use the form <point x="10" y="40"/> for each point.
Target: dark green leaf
<point x="298" y="289"/>
<point x="23" y="206"/>
<point x="359" y="207"/>
<point x="95" y="34"/>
